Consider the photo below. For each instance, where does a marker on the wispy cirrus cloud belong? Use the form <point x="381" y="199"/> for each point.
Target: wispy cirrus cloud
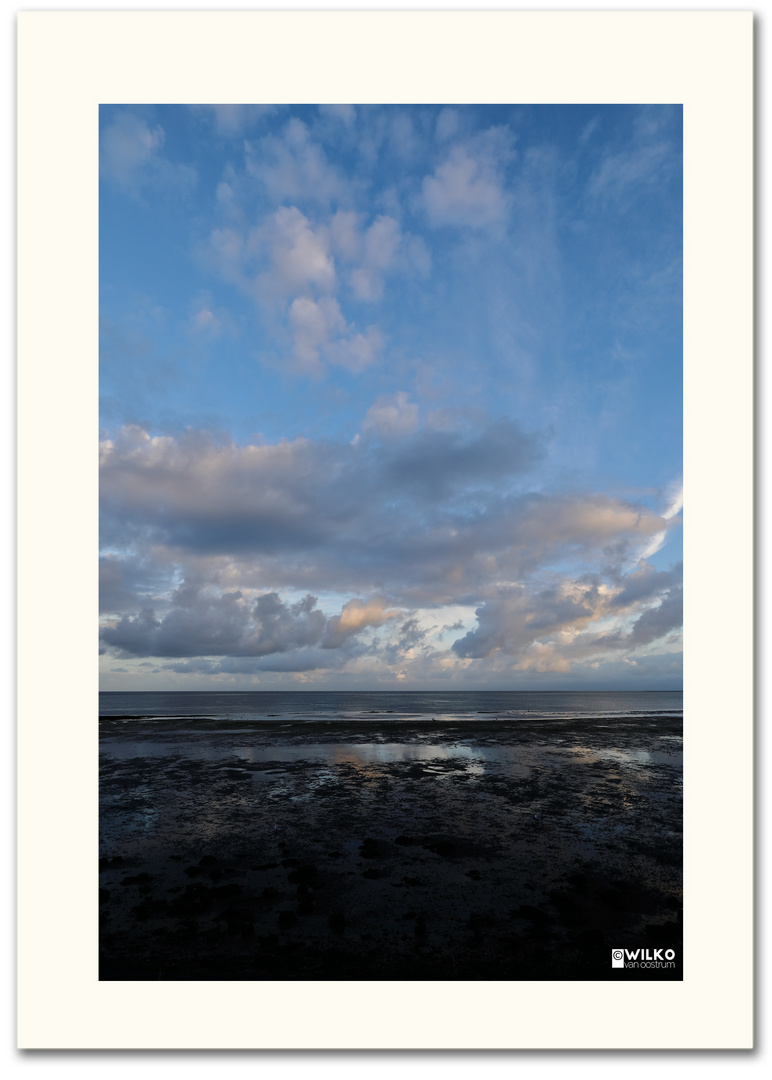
<point x="648" y="156"/>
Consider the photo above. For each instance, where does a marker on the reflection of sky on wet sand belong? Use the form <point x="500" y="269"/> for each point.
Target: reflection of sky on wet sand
<point x="540" y="803"/>
<point x="628" y="757"/>
<point x="331" y="761"/>
<point x="442" y="761"/>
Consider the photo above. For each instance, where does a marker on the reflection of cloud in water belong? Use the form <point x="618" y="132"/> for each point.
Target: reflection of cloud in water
<point x="357" y="754"/>
<point x="674" y="757"/>
<point x="367" y="760"/>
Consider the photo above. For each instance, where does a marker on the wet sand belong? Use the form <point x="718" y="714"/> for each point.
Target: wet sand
<point x="410" y="850"/>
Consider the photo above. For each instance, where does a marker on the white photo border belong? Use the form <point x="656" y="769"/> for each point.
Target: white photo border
<point x="69" y="63"/>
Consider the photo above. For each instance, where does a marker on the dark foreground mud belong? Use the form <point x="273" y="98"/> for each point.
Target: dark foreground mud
<point x="414" y="851"/>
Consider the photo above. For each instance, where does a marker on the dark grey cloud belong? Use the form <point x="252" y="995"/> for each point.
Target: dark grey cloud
<point x="430" y="517"/>
<point x="541" y="627"/>
<point x="216" y="497"/>
<point x="291" y="663"/>
<point x="438" y="464"/>
<point x="202" y="622"/>
<point x="516" y="618"/>
<point x="646" y="582"/>
<point x="653" y="624"/>
<point x="201" y="536"/>
<point x="129" y="581"/>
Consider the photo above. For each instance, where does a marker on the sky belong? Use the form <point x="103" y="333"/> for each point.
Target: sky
<point x="390" y="397"/>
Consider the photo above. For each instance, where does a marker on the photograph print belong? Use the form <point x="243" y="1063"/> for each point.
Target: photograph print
<point x="390" y="542"/>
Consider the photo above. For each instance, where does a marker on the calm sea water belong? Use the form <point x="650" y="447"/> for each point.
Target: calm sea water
<point x="382" y="707"/>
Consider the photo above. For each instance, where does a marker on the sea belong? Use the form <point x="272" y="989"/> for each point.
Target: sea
<point x="383" y="707"/>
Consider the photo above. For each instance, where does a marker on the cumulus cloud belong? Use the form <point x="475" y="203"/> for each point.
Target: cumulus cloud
<point x="231" y="121"/>
<point x="131" y="157"/>
<point x="430" y="534"/>
<point x="386" y="249"/>
<point x="346" y="114"/>
<point x="300" y="258"/>
<point x="392" y="416"/>
<point x="381" y="244"/>
<point x="373" y="252"/>
<point x="435" y="463"/>
<point x="356" y="616"/>
<point x="467" y="189"/>
<point x="517" y="618"/>
<point x="313" y="326"/>
<point x="550" y="629"/>
<point x="423" y="517"/>
<point x="128" y="581"/>
<point x="203" y="622"/>
<point x="127" y="145"/>
<point x="448" y="122"/>
<point x="207" y="320"/>
<point x="345" y="231"/>
<point x="292" y="167"/>
<point x="319" y="330"/>
<point x="356" y="351"/>
<point x="288" y="264"/>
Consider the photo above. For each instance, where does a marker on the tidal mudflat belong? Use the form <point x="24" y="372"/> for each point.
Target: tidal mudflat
<point x="409" y="850"/>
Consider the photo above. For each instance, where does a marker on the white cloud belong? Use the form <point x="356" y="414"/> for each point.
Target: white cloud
<point x="313" y="326"/>
<point x="356" y="351"/>
<point x="646" y="160"/>
<point x="357" y="615"/>
<point x="318" y="515"/>
<point x="300" y="258"/>
<point x="230" y="121"/>
<point x="288" y="265"/>
<point x="204" y="621"/>
<point x="293" y="168"/>
<point x="130" y="156"/>
<point x="467" y="189"/>
<point x="392" y="416"/>
<point x="381" y="249"/>
<point x="207" y="320"/>
<point x="381" y="245"/>
<point x="346" y="114"/>
<point x="675" y="502"/>
<point x="447" y="124"/>
<point x="127" y="145"/>
<point x="345" y="229"/>
<point x="320" y="331"/>
<point x="550" y="629"/>
<point x="617" y="174"/>
<point x="403" y="138"/>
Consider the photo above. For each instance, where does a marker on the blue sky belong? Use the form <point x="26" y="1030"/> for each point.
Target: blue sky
<point x="391" y="397"/>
